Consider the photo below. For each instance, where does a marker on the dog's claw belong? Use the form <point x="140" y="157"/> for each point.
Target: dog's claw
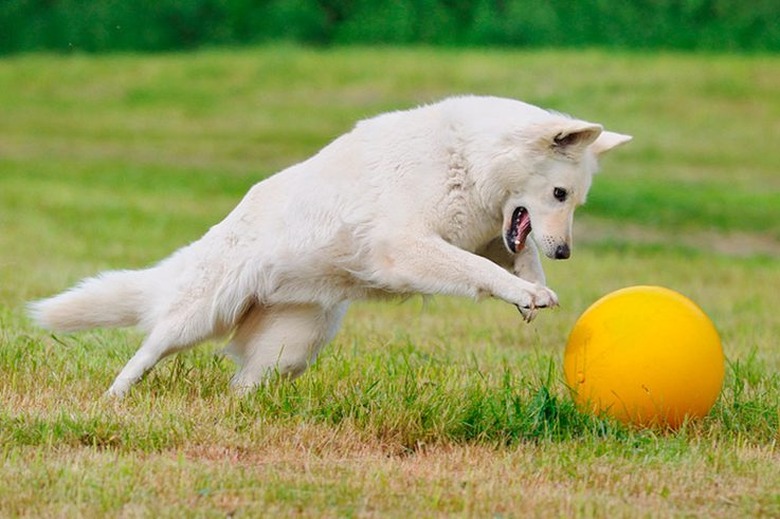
<point x="527" y="312"/>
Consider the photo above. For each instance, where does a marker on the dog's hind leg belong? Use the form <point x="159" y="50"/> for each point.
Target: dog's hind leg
<point x="281" y="339"/>
<point x="173" y="333"/>
<point x="151" y="351"/>
<point x="158" y="345"/>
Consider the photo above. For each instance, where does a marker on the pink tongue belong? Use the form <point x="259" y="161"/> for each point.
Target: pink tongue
<point x="523" y="230"/>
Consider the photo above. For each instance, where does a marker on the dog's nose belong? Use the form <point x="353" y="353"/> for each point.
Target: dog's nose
<point x="562" y="251"/>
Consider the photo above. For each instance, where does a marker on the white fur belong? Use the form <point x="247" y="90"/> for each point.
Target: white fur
<point x="407" y="202"/>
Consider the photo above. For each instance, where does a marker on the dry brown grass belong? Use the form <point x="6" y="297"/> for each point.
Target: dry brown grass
<point x="314" y="472"/>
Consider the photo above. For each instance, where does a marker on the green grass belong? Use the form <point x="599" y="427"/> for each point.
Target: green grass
<point x="426" y="407"/>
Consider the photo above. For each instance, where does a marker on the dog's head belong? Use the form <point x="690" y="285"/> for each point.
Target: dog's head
<point x="560" y="156"/>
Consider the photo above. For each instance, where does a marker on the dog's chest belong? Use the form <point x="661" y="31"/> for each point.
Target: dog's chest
<point x="463" y="220"/>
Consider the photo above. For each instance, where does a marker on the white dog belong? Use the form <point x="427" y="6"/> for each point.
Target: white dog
<point x="434" y="200"/>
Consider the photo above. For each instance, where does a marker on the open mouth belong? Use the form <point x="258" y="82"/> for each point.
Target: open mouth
<point x="518" y="231"/>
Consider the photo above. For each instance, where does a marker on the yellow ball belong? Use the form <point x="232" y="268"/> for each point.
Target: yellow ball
<point x="645" y="355"/>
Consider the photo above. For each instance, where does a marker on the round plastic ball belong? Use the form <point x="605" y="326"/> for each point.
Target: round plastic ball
<point x="645" y="355"/>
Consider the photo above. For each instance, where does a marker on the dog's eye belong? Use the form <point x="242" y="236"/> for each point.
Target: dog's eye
<point x="560" y="194"/>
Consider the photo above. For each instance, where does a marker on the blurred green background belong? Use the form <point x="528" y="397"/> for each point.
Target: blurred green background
<point x="164" y="25"/>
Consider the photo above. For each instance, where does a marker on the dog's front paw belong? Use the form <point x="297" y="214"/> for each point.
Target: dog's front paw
<point x="539" y="297"/>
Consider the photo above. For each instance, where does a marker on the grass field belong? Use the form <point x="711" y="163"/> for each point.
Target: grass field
<point x="420" y="408"/>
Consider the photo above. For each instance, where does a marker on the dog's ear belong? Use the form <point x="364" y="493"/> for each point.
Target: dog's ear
<point x="608" y="140"/>
<point x="574" y="137"/>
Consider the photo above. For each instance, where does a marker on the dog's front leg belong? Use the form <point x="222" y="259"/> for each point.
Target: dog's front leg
<point x="524" y="264"/>
<point x="431" y="265"/>
<point x="527" y="265"/>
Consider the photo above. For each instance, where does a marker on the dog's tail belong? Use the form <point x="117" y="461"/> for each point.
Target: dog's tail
<point x="112" y="299"/>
